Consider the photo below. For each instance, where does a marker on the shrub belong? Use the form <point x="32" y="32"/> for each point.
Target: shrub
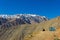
<point x="52" y="28"/>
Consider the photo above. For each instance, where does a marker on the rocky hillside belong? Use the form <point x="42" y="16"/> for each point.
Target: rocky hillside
<point x="14" y="26"/>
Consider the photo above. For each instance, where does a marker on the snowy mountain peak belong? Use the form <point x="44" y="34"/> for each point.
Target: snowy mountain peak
<point x="19" y="15"/>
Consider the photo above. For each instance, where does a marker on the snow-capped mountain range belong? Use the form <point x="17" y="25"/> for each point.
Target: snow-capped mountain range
<point x="19" y="15"/>
<point x="22" y="18"/>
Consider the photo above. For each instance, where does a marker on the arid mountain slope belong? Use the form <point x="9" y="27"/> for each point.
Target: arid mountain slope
<point x="46" y="30"/>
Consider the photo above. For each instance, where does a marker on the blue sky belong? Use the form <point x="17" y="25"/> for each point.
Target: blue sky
<point x="48" y="8"/>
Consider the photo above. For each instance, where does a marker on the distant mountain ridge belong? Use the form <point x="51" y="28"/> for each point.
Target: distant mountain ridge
<point x="19" y="15"/>
<point x="22" y="18"/>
